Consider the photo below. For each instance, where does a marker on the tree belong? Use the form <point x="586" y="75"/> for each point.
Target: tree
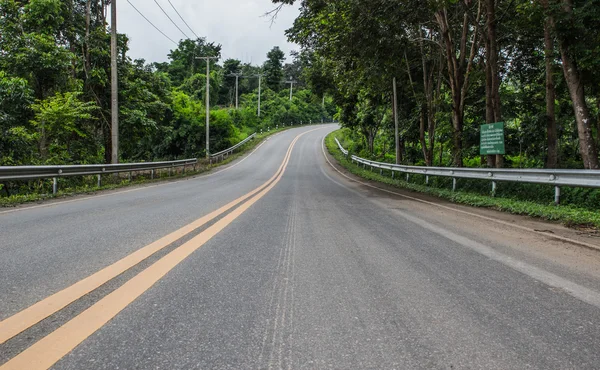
<point x="63" y="135"/>
<point x="568" y="26"/>
<point x="551" y="131"/>
<point x="183" y="59"/>
<point x="15" y="134"/>
<point x="273" y="68"/>
<point x="460" y="52"/>
<point x="230" y="67"/>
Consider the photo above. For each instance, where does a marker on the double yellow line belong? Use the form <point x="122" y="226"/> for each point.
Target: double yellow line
<point x="46" y="352"/>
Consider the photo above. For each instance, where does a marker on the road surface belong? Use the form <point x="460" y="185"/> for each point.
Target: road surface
<point x="281" y="262"/>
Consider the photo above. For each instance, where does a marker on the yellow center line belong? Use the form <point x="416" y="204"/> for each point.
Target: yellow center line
<point x="30" y="316"/>
<point x="46" y="352"/>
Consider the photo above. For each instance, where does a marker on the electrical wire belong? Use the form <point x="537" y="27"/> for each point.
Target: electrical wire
<point x="188" y="26"/>
<point x="180" y="30"/>
<point x="152" y="24"/>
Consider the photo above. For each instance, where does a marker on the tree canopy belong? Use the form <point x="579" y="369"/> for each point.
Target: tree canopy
<point x="55" y="91"/>
<point x="458" y="65"/>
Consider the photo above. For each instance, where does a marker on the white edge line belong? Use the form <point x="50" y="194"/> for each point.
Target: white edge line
<point x="574" y="289"/>
<point x="561" y="238"/>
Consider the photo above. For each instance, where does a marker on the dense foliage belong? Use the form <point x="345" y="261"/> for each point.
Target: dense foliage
<point x="55" y="91"/>
<point x="460" y="64"/>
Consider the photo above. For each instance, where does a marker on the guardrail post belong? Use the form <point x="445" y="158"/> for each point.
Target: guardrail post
<point x="99" y="180"/>
<point x="152" y="174"/>
<point x="381" y="171"/>
<point x="494" y="185"/>
<point x="454" y="184"/>
<point x="393" y="173"/>
<point x="54" y="186"/>
<point x="129" y="176"/>
<point x="426" y="179"/>
<point x="557" y="195"/>
<point x="407" y="177"/>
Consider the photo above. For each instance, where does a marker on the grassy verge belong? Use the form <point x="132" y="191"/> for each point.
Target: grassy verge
<point x="569" y="215"/>
<point x="88" y="185"/>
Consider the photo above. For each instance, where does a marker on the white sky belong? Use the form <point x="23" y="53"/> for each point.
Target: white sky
<point x="238" y="25"/>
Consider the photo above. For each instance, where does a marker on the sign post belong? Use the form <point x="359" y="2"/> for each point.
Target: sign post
<point x="492" y="139"/>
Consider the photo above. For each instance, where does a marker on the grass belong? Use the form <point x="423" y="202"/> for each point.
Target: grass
<point x="88" y="185"/>
<point x="568" y="215"/>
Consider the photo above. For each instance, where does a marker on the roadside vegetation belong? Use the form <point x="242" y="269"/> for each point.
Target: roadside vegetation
<point x="88" y="184"/>
<point x="474" y="193"/>
<point x="55" y="94"/>
<point x="533" y="65"/>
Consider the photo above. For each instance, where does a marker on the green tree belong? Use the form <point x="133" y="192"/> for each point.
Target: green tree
<point x="183" y="59"/>
<point x="16" y="139"/>
<point x="63" y="130"/>
<point x="273" y="68"/>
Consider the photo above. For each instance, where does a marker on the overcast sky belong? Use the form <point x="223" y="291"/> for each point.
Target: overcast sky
<point x="238" y="25"/>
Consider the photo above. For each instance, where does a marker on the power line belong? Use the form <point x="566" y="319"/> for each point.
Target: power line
<point x="188" y="26"/>
<point x="180" y="30"/>
<point x="152" y="24"/>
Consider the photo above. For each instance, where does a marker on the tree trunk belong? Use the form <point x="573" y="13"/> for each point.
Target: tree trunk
<point x="489" y="106"/>
<point x="457" y="158"/>
<point x="460" y="63"/>
<point x="43" y="143"/>
<point x="587" y="146"/>
<point x="427" y="109"/>
<point x="88" y="11"/>
<point x="369" y="134"/>
<point x="425" y="149"/>
<point x="598" y="123"/>
<point x="107" y="144"/>
<point x="551" y="132"/>
<point x="402" y="150"/>
<point x="493" y="105"/>
<point x="431" y="119"/>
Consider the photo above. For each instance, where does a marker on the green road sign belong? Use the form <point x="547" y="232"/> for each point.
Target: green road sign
<point x="492" y="139"/>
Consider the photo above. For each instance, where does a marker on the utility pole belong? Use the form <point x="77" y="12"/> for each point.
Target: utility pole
<point x="207" y="102"/>
<point x="291" y="82"/>
<point x="395" y="109"/>
<point x="114" y="85"/>
<point x="259" y="80"/>
<point x="237" y="76"/>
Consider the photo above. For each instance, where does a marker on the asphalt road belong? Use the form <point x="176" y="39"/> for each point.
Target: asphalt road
<point x="310" y="271"/>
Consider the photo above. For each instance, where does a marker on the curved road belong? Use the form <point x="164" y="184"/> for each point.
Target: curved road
<point x="280" y="261"/>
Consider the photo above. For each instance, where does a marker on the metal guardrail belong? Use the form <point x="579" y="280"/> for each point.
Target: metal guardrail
<point x="557" y="178"/>
<point x="227" y="152"/>
<point x="13" y="173"/>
